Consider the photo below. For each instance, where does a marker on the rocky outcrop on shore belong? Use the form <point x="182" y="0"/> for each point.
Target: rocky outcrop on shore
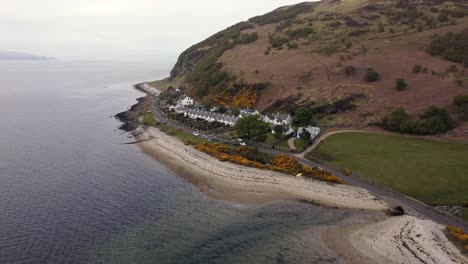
<point x="129" y="118"/>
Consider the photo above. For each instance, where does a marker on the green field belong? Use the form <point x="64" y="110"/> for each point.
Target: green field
<point x="299" y="143"/>
<point x="430" y="171"/>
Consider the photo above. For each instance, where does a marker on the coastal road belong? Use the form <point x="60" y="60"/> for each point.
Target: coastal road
<point x="393" y="198"/>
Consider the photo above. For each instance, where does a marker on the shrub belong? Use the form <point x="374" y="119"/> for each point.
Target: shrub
<point x="302" y="116"/>
<point x="459" y="235"/>
<point x="281" y="163"/>
<point x="452" y="47"/>
<point x="401" y="84"/>
<point x="350" y="70"/>
<point x="371" y="75"/>
<point x="277" y="41"/>
<point x="300" y="33"/>
<point x="453" y="68"/>
<point x="433" y="121"/>
<point x="461" y="104"/>
<point x="247" y="38"/>
<point x="443" y="18"/>
<point x="417" y="68"/>
<point x="292" y="45"/>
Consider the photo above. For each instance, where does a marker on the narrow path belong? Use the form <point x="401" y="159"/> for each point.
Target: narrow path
<point x="291" y="143"/>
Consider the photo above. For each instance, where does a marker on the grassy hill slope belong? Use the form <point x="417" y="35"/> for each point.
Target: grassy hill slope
<point x="318" y="53"/>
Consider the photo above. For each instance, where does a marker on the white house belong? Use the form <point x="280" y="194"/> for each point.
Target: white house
<point x="186" y="101"/>
<point x="314" y="131"/>
<point x="282" y="119"/>
<point x="247" y="112"/>
<point x="288" y="130"/>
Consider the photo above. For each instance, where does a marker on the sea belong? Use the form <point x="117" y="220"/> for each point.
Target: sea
<point x="72" y="191"/>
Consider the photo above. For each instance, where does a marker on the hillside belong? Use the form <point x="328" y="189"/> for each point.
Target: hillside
<point x="317" y="54"/>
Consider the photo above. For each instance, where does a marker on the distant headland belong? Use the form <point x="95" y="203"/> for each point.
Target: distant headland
<point x="15" y="55"/>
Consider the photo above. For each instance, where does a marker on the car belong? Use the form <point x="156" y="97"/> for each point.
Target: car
<point x="235" y="143"/>
<point x="215" y="139"/>
<point x="243" y="144"/>
<point x="239" y="139"/>
<point x="205" y="137"/>
<point x="180" y="129"/>
<point x="196" y="134"/>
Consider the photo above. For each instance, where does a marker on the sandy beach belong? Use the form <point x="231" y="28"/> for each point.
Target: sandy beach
<point x="233" y="182"/>
<point x="405" y="239"/>
<point x="374" y="238"/>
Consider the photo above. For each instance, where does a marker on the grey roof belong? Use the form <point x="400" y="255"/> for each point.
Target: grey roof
<point x="208" y="114"/>
<point x="281" y="117"/>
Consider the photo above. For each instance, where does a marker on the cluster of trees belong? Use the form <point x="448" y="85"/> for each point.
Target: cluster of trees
<point x="300" y="32"/>
<point x="302" y="116"/>
<point x="277" y="42"/>
<point x="452" y="47"/>
<point x="252" y="128"/>
<point x="207" y="75"/>
<point x="282" y="14"/>
<point x="433" y="121"/>
<point x="246" y="38"/>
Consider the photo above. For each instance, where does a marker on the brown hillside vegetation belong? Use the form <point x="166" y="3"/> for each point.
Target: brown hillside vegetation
<point x="301" y="54"/>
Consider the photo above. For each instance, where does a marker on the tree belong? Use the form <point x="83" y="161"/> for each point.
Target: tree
<point x="395" y="120"/>
<point x="222" y="109"/>
<point x="371" y="75"/>
<point x="461" y="103"/>
<point x="350" y="70"/>
<point x="235" y="111"/>
<point x="251" y="127"/>
<point x="302" y="116"/>
<point x="417" y="68"/>
<point x="401" y="84"/>
<point x="443" y="18"/>
<point x="305" y="135"/>
<point x="278" y="131"/>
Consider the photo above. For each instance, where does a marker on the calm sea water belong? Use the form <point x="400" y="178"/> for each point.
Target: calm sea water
<point x="70" y="192"/>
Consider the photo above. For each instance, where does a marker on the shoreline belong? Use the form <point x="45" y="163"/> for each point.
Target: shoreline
<point x="234" y="182"/>
<point x="367" y="236"/>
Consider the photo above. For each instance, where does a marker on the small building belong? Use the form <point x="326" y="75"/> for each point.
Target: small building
<point x="266" y="119"/>
<point x="186" y="101"/>
<point x="282" y="119"/>
<point x="314" y="131"/>
<point x="287" y="130"/>
<point x="247" y="112"/>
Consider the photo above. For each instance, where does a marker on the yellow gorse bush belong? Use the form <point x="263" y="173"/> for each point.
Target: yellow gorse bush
<point x="280" y="163"/>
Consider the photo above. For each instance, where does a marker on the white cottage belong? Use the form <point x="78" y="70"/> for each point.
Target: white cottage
<point x="186" y="101"/>
<point x="282" y="120"/>
<point x="314" y="131"/>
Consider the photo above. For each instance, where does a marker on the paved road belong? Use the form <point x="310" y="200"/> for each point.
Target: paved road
<point x="393" y="198"/>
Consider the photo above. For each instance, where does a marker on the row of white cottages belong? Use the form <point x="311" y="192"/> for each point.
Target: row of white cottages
<point x="230" y="120"/>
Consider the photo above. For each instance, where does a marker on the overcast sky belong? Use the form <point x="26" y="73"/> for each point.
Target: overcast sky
<point x="119" y="29"/>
